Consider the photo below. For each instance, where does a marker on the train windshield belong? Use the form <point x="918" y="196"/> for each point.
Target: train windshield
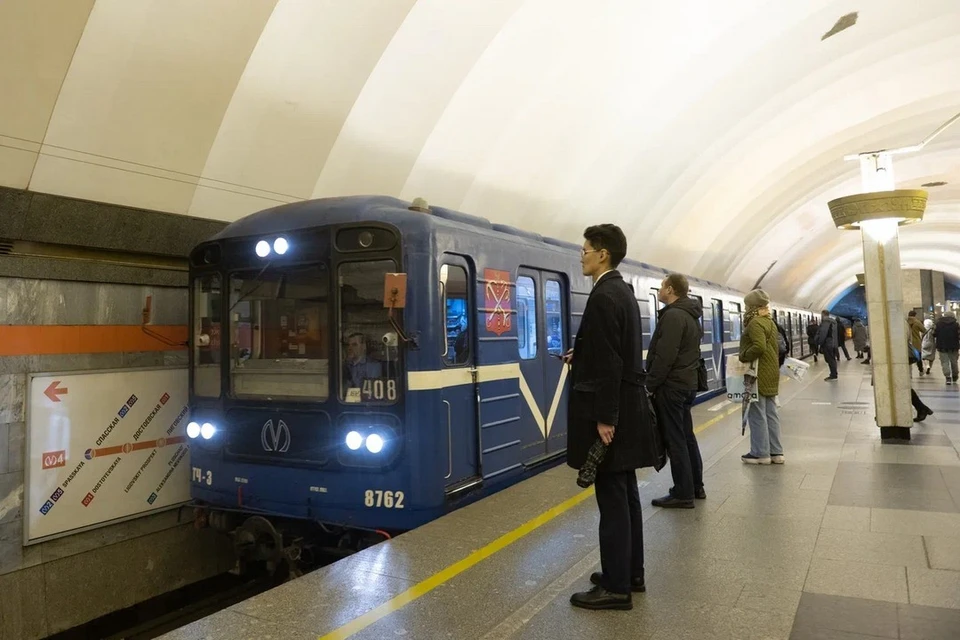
<point x="279" y="346"/>
<point x="369" y="355"/>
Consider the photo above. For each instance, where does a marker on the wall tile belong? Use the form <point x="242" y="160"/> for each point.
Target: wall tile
<point x="11" y="496"/>
<point x="23" y="605"/>
<point x="12" y="392"/>
<point x="16" y="436"/>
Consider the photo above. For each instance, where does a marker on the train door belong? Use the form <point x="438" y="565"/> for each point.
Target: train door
<point x="460" y="431"/>
<point x="716" y="375"/>
<point x="542" y="337"/>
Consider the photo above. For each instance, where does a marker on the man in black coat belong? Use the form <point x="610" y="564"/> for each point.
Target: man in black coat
<point x="607" y="401"/>
<point x="672" y="364"/>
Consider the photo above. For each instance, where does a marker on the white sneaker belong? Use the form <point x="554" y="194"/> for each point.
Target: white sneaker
<point x="776" y="459"/>
<point x="749" y="458"/>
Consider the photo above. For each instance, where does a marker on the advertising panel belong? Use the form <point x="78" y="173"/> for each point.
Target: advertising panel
<point x="104" y="446"/>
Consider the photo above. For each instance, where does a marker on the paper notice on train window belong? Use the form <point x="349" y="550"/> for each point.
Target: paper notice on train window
<point x="353" y="395"/>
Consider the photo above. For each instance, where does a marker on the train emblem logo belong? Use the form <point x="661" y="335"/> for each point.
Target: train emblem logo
<point x="275" y="439"/>
<point x="497" y="298"/>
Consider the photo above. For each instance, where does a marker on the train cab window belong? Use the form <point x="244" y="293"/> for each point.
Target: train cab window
<point x="527" y="317"/>
<point x="206" y="336"/>
<point x="279" y="333"/>
<point x="736" y="321"/>
<point x="369" y="367"/>
<point x="554" y="316"/>
<point x="456" y="314"/>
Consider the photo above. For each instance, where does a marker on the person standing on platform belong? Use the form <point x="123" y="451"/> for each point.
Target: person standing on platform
<point x="607" y="400"/>
<point x="916" y="336"/>
<point x="812" y="330"/>
<point x="759" y="343"/>
<point x="947" y="335"/>
<point x="827" y="342"/>
<point x="842" y="340"/>
<point x="672" y="363"/>
<point x="928" y="352"/>
<point x="859" y="337"/>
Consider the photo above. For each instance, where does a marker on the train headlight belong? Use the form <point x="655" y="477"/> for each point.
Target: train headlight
<point x="193" y="430"/>
<point x="263" y="248"/>
<point x="280" y="245"/>
<point x="207" y="430"/>
<point x="354" y="441"/>
<point x="374" y="443"/>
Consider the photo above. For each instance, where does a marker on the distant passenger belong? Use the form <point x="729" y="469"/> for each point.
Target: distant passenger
<point x="759" y="343"/>
<point x="672" y="363"/>
<point x="607" y="401"/>
<point x="928" y="345"/>
<point x="842" y="340"/>
<point x="827" y="342"/>
<point x="812" y="330"/>
<point x="859" y="337"/>
<point x="916" y="336"/>
<point x="947" y="334"/>
<point x="786" y="349"/>
<point x="357" y="367"/>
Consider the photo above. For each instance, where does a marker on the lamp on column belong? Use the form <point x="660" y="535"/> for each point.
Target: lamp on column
<point x="877" y="214"/>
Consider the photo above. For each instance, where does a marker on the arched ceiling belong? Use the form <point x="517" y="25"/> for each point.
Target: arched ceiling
<point x="712" y="132"/>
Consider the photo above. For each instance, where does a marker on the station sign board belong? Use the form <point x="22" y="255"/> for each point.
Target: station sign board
<point x="104" y="447"/>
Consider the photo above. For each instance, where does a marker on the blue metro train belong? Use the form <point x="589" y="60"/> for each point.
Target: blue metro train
<point x="360" y="366"/>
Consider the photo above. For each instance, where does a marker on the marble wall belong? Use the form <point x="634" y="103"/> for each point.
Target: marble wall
<point x="56" y="585"/>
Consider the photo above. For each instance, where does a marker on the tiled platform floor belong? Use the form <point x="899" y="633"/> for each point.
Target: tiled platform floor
<point x="850" y="539"/>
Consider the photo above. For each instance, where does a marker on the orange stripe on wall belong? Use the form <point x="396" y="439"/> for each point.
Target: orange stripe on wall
<point x="43" y="340"/>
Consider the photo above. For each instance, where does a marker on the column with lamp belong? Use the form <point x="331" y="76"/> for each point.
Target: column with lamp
<point x="877" y="214"/>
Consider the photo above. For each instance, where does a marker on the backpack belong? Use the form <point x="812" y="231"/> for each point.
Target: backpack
<point x="781" y="343"/>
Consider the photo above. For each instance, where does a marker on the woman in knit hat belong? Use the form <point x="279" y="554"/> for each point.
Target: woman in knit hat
<point x="759" y="343"/>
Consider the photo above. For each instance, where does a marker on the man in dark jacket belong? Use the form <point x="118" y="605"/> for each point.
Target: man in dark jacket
<point x="812" y="330"/>
<point x="947" y="334"/>
<point x="672" y="363"/>
<point x="827" y="342"/>
<point x="607" y="401"/>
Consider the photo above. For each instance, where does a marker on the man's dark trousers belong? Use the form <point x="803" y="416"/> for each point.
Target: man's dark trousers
<point x="621" y="529"/>
<point x="830" y="355"/>
<point x="673" y="411"/>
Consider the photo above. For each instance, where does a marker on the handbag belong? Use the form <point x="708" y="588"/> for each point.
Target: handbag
<point x="702" y="384"/>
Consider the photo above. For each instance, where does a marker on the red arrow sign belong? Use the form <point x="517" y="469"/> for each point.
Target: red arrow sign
<point x="53" y="393"/>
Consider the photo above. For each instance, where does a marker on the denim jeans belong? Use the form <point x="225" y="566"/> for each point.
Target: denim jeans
<point x="764" y="424"/>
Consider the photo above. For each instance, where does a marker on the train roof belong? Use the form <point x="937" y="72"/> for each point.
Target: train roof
<point x="339" y="210"/>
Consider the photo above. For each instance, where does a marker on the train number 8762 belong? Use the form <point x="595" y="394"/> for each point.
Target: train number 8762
<point x="387" y="499"/>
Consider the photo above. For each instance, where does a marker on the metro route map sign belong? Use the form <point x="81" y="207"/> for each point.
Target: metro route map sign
<point x="103" y="447"/>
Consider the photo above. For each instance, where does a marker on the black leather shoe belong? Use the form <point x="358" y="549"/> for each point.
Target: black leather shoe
<point x="636" y="584"/>
<point x="700" y="494"/>
<point x="669" y="502"/>
<point x="922" y="414"/>
<point x="600" y="598"/>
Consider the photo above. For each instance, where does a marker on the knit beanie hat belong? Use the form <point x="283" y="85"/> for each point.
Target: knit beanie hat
<point x="756" y="299"/>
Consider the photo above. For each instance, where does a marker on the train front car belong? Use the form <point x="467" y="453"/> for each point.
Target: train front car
<point x="297" y="429"/>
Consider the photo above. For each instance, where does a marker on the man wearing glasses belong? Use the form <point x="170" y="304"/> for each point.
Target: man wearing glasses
<point x="672" y="363"/>
<point x="607" y="402"/>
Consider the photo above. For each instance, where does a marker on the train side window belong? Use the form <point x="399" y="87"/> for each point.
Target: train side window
<point x="456" y="315"/>
<point x="736" y="321"/>
<point x="554" y="315"/>
<point x="654" y="300"/>
<point x="700" y="300"/>
<point x="527" y="317"/>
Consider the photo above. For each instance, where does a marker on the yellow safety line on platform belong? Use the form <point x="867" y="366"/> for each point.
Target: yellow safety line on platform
<point x="426" y="586"/>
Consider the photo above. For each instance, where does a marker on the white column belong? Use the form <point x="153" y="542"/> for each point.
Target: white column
<point x="884" y="292"/>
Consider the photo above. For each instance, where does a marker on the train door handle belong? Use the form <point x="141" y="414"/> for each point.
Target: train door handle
<point x="449" y="444"/>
